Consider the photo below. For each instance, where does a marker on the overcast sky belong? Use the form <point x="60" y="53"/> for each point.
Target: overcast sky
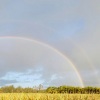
<point x="65" y="33"/>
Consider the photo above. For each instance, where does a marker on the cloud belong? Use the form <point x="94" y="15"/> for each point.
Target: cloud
<point x="5" y="82"/>
<point x="71" y="26"/>
<point x="27" y="61"/>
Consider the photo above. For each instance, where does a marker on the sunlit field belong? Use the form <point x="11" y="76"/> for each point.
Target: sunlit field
<point x="41" y="96"/>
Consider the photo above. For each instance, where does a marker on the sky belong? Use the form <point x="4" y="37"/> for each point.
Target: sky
<point x="49" y="42"/>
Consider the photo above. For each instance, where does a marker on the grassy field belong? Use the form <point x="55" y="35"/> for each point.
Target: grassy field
<point x="38" y="96"/>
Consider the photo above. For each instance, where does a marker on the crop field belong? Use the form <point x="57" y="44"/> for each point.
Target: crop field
<point x="44" y="96"/>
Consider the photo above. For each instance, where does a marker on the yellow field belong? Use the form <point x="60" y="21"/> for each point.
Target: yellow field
<point x="39" y="96"/>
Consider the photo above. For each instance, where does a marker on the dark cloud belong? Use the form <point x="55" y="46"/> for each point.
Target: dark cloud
<point x="5" y="82"/>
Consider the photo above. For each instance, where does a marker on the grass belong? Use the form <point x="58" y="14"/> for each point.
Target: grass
<point x="44" y="96"/>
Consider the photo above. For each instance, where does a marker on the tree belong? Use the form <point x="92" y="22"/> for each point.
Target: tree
<point x="51" y="90"/>
<point x="40" y="87"/>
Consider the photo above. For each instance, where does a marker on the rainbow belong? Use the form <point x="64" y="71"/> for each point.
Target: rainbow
<point x="52" y="48"/>
<point x="52" y="30"/>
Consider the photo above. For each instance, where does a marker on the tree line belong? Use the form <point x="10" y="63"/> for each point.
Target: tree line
<point x="60" y="89"/>
<point x="72" y="90"/>
<point x="19" y="89"/>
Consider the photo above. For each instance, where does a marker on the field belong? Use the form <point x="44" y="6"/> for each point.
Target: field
<point x="39" y="96"/>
